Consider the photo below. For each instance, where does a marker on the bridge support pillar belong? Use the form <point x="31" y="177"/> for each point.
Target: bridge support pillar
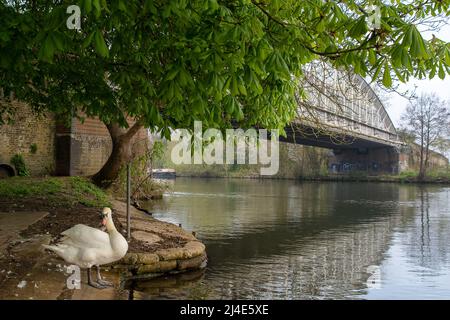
<point x="381" y="160"/>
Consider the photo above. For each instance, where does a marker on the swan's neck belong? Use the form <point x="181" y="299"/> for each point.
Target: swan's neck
<point x="118" y="243"/>
<point x="110" y="227"/>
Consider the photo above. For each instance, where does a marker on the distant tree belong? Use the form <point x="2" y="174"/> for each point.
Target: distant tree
<point x="443" y="145"/>
<point x="427" y="120"/>
<point x="164" y="64"/>
<point x="406" y="135"/>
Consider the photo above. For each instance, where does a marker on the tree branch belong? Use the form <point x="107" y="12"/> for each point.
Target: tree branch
<point x="134" y="129"/>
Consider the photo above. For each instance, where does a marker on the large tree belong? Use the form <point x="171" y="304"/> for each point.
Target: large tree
<point x="426" y="121"/>
<point x="164" y="64"/>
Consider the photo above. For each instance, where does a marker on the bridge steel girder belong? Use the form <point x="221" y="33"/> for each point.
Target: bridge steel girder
<point x="330" y="139"/>
<point x="340" y="107"/>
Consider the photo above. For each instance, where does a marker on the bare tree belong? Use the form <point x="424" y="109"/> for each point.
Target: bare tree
<point x="427" y="120"/>
<point x="443" y="145"/>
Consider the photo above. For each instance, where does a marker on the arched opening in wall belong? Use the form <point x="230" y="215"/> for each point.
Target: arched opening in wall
<point x="6" y="171"/>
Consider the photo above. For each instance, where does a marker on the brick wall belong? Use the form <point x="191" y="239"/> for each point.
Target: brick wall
<point x="80" y="149"/>
<point x="91" y="146"/>
<point x="411" y="157"/>
<point x="26" y="130"/>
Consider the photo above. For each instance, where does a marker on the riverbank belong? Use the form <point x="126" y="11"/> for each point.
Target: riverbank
<point x="406" y="177"/>
<point x="401" y="178"/>
<point x="34" y="211"/>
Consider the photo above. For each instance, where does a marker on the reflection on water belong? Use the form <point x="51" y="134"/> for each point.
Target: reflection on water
<point x="292" y="240"/>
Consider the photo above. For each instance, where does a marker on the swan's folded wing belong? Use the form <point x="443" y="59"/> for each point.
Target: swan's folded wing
<point x="87" y="237"/>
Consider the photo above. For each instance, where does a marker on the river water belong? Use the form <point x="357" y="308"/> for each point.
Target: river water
<point x="277" y="239"/>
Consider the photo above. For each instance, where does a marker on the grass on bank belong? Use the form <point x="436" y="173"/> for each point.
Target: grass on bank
<point x="440" y="175"/>
<point x="411" y="176"/>
<point x="64" y="191"/>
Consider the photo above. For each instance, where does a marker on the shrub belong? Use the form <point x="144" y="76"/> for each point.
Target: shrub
<point x="19" y="163"/>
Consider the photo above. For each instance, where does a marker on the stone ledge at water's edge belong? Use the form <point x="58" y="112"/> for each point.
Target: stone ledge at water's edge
<point x="163" y="247"/>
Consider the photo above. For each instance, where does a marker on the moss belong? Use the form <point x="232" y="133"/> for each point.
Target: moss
<point x="64" y="191"/>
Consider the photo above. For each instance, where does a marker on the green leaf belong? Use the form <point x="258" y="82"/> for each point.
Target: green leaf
<point x="399" y="75"/>
<point x="58" y="41"/>
<point x="432" y="72"/>
<point x="447" y="57"/>
<point x="239" y="114"/>
<point x="172" y="73"/>
<point x="377" y="71"/>
<point x="396" y="56"/>
<point x="320" y="27"/>
<point x="407" y="37"/>
<point x="121" y="5"/>
<point x="87" y="5"/>
<point x="278" y="64"/>
<point x="213" y="5"/>
<point x="47" y="50"/>
<point x="234" y="86"/>
<point x="242" y="89"/>
<point x="149" y="7"/>
<point x="104" y="4"/>
<point x="441" y="73"/>
<point x="359" y="28"/>
<point x="229" y="104"/>
<point x="372" y="57"/>
<point x="406" y="60"/>
<point x="418" y="47"/>
<point x="97" y="6"/>
<point x="100" y="45"/>
<point x="387" y="80"/>
<point x="88" y="40"/>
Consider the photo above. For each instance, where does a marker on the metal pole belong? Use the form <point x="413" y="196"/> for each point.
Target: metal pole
<point x="128" y="203"/>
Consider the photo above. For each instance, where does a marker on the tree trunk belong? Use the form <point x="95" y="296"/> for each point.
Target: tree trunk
<point x="424" y="168"/>
<point x="120" y="155"/>
<point x="427" y="149"/>
<point x="421" y="168"/>
<point x="425" y="163"/>
<point x="427" y="154"/>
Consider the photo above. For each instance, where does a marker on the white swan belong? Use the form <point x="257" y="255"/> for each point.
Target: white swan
<point x="86" y="247"/>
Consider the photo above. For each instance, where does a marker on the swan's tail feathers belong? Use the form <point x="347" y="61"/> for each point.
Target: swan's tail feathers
<point x="56" y="249"/>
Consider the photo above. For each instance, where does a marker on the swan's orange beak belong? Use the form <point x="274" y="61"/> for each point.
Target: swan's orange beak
<point x="104" y="219"/>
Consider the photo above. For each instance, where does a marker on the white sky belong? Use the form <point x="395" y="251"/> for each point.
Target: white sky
<point x="397" y="104"/>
